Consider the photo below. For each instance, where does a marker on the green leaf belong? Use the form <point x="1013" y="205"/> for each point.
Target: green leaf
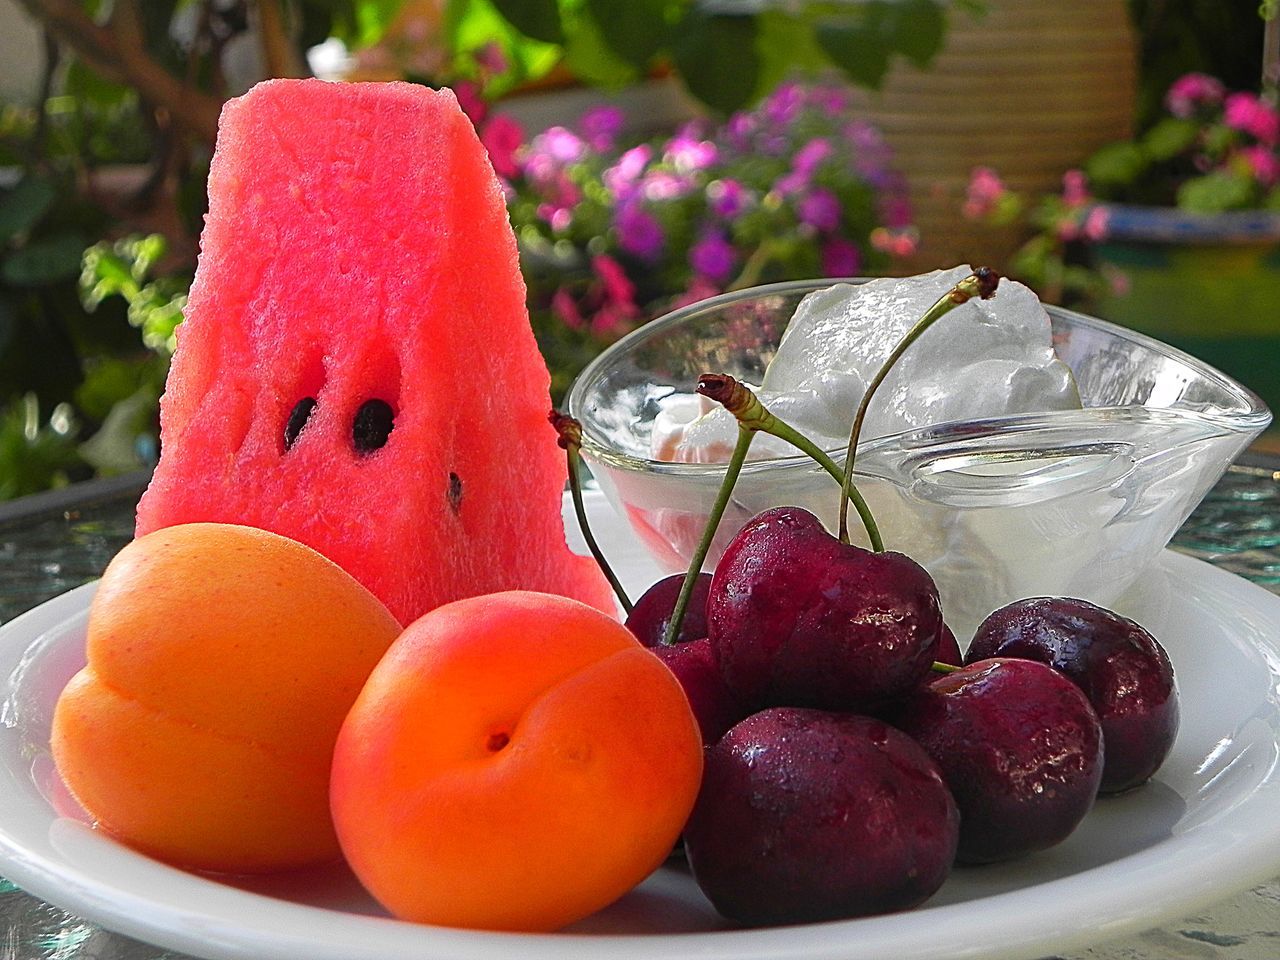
<point x="88" y="86"/>
<point x="860" y="48"/>
<point x="23" y="207"/>
<point x="1116" y="164"/>
<point x="785" y="44"/>
<point x="1170" y="137"/>
<point x="591" y="58"/>
<point x="1216" y="192"/>
<point x="716" y="55"/>
<point x="360" y="23"/>
<point x="916" y="29"/>
<point x="539" y="19"/>
<point x="471" y="25"/>
<point x="635" y="30"/>
<point x="45" y="261"/>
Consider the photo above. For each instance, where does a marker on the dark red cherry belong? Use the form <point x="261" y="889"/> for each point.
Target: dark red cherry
<point x="797" y="618"/>
<point x="714" y="706"/>
<point x="807" y="815"/>
<point x="1121" y="668"/>
<point x="948" y="649"/>
<point x="650" y="615"/>
<point x="1020" y="748"/>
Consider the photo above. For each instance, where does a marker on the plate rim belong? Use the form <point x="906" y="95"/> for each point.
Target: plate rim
<point x="1218" y="874"/>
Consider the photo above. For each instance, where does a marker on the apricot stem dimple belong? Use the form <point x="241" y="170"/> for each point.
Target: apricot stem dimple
<point x="497" y="741"/>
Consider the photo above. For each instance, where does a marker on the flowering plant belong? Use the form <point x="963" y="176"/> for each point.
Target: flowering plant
<point x="1214" y="152"/>
<point x="612" y="234"/>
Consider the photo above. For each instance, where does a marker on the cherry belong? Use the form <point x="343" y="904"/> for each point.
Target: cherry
<point x="651" y="614"/>
<point x="797" y="618"/>
<point x="948" y="649"/>
<point x="806" y="815"/>
<point x="1021" y="750"/>
<point x="714" y="707"/>
<point x="1121" y="668"/>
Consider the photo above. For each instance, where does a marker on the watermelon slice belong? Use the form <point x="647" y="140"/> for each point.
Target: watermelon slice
<point x="356" y="369"/>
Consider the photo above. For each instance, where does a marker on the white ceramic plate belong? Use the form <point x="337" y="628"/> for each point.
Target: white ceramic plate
<point x="1203" y="830"/>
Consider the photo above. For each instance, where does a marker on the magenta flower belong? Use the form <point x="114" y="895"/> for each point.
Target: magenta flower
<point x="1191" y="91"/>
<point x="638" y="232"/>
<point x="727" y="198"/>
<point x="471" y="101"/>
<point x="620" y="179"/>
<point x="809" y="157"/>
<point x="618" y="287"/>
<point x="1252" y="115"/>
<point x="984" y="193"/>
<point x="782" y="106"/>
<point x="739" y="130"/>
<point x="895" y="211"/>
<point x="688" y="155"/>
<point x="713" y="256"/>
<point x="820" y="209"/>
<point x="1262" y="163"/>
<point x="831" y="100"/>
<point x="840" y="258"/>
<point x="601" y="126"/>
<point x="502" y="137"/>
<point x="566" y="308"/>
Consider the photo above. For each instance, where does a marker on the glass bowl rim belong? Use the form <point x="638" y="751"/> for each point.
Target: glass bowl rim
<point x="1252" y="414"/>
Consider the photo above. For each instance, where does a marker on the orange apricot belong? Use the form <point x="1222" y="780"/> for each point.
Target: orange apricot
<point x="517" y="761"/>
<point x="221" y="661"/>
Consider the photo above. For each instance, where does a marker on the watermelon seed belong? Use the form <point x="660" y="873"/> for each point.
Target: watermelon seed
<point x="372" y="426"/>
<point x="298" y="418"/>
<point x="455" y="491"/>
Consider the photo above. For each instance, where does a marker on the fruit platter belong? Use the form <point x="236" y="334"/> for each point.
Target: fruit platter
<point x="350" y="693"/>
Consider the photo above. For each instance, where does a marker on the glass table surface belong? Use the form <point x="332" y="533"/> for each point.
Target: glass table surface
<point x="54" y="542"/>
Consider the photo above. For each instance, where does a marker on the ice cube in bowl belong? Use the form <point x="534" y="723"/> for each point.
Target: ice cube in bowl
<point x="1064" y="502"/>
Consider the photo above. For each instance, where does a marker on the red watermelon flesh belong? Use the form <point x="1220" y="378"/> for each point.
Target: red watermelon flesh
<point x="357" y="260"/>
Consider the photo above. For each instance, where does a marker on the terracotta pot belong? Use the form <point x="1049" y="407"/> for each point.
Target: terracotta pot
<point x="1032" y="88"/>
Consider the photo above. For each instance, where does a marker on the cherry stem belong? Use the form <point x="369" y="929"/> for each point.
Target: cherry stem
<point x="569" y="437"/>
<point x="749" y="409"/>
<point x="940" y="667"/>
<point x="739" y="457"/>
<point x="981" y="283"/>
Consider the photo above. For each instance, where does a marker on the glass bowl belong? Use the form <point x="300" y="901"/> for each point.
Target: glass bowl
<point x="1066" y="503"/>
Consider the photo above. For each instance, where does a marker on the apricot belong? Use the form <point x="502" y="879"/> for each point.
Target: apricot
<point x="221" y="661"/>
<point x="516" y="762"/>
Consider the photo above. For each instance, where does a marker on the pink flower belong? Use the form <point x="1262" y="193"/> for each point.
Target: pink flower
<point x="618" y="287"/>
<point x="611" y="320"/>
<point x="620" y="179"/>
<point x="1190" y="91"/>
<point x="688" y="155"/>
<point x="820" y="209"/>
<point x="713" y="256"/>
<point x="895" y="211"/>
<point x="1075" y="188"/>
<point x="472" y="102"/>
<point x="502" y="137"/>
<point x="560" y="144"/>
<point x="1262" y="162"/>
<point x="840" y="258"/>
<point x="660" y="185"/>
<point x="491" y="59"/>
<point x="601" y="126"/>
<point x="1095" y="224"/>
<point x="984" y="193"/>
<point x="638" y="232"/>
<point x="1252" y="115"/>
<point x="896" y="243"/>
<point x="700" y="288"/>
<point x="566" y="309"/>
